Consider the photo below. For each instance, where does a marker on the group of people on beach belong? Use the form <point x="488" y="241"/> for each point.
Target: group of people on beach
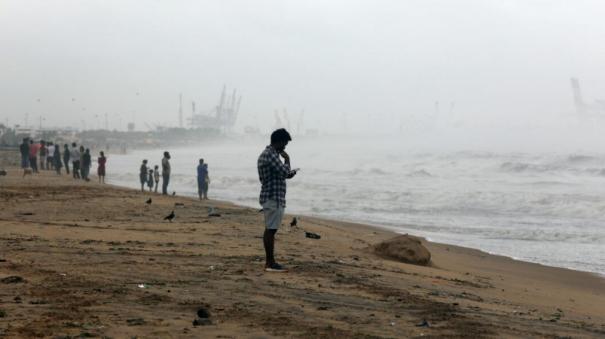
<point x="50" y="157"/>
<point x="272" y="173"/>
<point x="150" y="177"/>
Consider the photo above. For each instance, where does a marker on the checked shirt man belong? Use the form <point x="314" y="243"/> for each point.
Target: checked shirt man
<point x="272" y="173"/>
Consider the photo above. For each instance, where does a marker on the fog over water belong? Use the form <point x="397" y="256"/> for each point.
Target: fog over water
<point x="454" y="120"/>
<point x="352" y="66"/>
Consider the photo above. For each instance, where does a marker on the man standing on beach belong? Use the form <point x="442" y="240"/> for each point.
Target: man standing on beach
<point x="202" y="180"/>
<point x="50" y="152"/>
<point x="33" y="156"/>
<point x="75" y="160"/>
<point x="273" y="174"/>
<point x="24" y="149"/>
<point x="42" y="151"/>
<point x="143" y="174"/>
<point x="165" y="173"/>
<point x="66" y="156"/>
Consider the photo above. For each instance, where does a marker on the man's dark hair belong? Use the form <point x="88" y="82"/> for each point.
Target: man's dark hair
<point x="280" y="135"/>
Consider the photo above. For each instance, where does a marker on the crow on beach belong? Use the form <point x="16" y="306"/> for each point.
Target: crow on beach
<point x="148" y="202"/>
<point x="170" y="216"/>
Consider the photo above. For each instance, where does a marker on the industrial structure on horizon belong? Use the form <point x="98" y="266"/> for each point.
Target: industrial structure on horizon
<point x="222" y="117"/>
<point x="583" y="108"/>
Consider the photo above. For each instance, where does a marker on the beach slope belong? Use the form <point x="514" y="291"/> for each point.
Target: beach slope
<point x="84" y="259"/>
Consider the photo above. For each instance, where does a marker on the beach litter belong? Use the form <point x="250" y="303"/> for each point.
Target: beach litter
<point x="142" y="286"/>
<point x="135" y="322"/>
<point x="312" y="235"/>
<point x="424" y="323"/>
<point x="13" y="279"/>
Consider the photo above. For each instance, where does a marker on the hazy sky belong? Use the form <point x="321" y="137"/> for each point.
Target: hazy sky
<point x="378" y="62"/>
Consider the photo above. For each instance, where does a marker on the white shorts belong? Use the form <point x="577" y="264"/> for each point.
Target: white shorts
<point x="273" y="214"/>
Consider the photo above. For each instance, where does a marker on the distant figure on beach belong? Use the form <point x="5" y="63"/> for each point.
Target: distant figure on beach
<point x="165" y="173"/>
<point x="24" y="149"/>
<point x="50" y="153"/>
<point x="42" y="154"/>
<point x="33" y="156"/>
<point x="272" y="174"/>
<point x="101" y="168"/>
<point x="66" y="157"/>
<point x="75" y="160"/>
<point x="86" y="164"/>
<point x="82" y="162"/>
<point x="143" y="174"/>
<point x="150" y="180"/>
<point x="56" y="159"/>
<point x="156" y="177"/>
<point x="202" y="180"/>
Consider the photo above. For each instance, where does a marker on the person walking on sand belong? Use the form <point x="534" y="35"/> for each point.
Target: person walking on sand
<point x="272" y="174"/>
<point x="56" y="160"/>
<point x="66" y="156"/>
<point x="150" y="180"/>
<point x="75" y="160"/>
<point x="24" y="149"/>
<point x="202" y="180"/>
<point x="156" y="177"/>
<point x="101" y="168"/>
<point x="143" y="174"/>
<point x="33" y="155"/>
<point x="165" y="173"/>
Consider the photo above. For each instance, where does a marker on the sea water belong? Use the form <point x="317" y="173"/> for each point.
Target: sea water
<point x="542" y="207"/>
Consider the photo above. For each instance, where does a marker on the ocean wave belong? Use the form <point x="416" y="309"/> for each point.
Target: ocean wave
<point x="518" y="167"/>
<point x="576" y="158"/>
<point x="422" y="173"/>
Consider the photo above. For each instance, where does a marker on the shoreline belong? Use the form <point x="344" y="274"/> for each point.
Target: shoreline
<point x="383" y="227"/>
<point x="82" y="267"/>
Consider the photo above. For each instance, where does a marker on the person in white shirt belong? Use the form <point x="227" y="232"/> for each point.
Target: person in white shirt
<point x="50" y="152"/>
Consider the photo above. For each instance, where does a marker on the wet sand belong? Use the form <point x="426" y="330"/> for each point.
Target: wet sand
<point x="96" y="260"/>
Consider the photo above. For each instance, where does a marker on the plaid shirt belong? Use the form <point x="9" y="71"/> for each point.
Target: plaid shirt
<point x="272" y="174"/>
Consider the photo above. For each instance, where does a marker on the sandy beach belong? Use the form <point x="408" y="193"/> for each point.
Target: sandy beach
<point x="88" y="260"/>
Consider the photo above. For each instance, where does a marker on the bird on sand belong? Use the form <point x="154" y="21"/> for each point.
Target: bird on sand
<point x="148" y="202"/>
<point x="294" y="222"/>
<point x="170" y="216"/>
<point x="174" y="193"/>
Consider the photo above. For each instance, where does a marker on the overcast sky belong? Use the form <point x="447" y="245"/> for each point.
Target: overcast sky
<point x="377" y="62"/>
